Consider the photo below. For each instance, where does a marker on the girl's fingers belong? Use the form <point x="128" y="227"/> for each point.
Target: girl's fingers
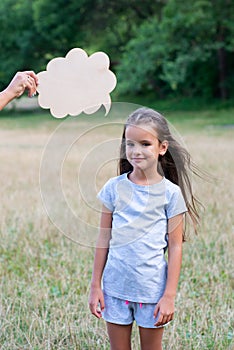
<point x="164" y="319"/>
<point x="97" y="313"/>
<point x="94" y="309"/>
<point x="96" y="302"/>
<point x="156" y="311"/>
<point x="159" y="320"/>
<point x="102" y="303"/>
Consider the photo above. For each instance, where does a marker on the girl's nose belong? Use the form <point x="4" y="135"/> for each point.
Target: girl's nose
<point x="137" y="149"/>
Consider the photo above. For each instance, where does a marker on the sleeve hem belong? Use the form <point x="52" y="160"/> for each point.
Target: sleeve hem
<point x="107" y="205"/>
<point x="177" y="213"/>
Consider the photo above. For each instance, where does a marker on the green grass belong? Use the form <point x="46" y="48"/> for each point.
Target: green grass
<point x="176" y="103"/>
<point x="45" y="276"/>
<point x="197" y="116"/>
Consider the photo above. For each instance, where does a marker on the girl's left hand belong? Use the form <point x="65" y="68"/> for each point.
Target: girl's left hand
<point x="164" y="310"/>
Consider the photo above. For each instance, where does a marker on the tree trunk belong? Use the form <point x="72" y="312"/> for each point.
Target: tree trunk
<point x="222" y="67"/>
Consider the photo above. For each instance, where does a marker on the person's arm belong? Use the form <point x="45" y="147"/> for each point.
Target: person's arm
<point x="22" y="81"/>
<point x="166" y="305"/>
<point x="101" y="252"/>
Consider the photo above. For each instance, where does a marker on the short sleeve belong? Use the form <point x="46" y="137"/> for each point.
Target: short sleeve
<point x="106" y="195"/>
<point x="176" y="204"/>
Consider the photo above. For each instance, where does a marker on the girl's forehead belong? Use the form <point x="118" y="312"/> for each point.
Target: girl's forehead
<point x="140" y="131"/>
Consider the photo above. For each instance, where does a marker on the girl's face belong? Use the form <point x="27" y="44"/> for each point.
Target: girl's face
<point x="143" y="147"/>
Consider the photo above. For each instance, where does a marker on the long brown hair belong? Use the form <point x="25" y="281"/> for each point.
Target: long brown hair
<point x="175" y="164"/>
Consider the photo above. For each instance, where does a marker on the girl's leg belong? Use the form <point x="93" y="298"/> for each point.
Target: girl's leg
<point x="151" y="338"/>
<point x="120" y="336"/>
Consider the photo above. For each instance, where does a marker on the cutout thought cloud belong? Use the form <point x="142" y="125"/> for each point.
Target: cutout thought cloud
<point x="76" y="83"/>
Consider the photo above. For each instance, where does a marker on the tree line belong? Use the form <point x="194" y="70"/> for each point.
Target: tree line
<point x="165" y="47"/>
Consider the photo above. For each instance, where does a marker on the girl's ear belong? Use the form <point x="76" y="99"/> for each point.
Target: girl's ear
<point x="163" y="147"/>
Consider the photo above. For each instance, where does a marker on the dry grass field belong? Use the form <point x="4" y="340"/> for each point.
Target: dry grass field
<point x="45" y="273"/>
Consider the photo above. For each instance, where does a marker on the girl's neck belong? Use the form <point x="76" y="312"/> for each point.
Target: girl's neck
<point x="139" y="177"/>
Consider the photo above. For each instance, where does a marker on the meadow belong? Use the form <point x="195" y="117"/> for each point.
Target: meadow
<point x="46" y="266"/>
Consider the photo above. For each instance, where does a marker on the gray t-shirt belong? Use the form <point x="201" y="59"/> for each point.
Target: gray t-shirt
<point x="136" y="268"/>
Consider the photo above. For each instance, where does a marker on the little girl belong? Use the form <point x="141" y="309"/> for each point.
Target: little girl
<point x="142" y="218"/>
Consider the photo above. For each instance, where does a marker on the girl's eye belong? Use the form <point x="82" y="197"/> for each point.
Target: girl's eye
<point x="146" y="144"/>
<point x="130" y="144"/>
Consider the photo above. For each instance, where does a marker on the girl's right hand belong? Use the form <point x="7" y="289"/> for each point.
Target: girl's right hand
<point x="96" y="301"/>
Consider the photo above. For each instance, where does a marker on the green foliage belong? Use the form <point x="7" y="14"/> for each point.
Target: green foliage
<point x="166" y="47"/>
<point x="60" y="23"/>
<point x="190" y="49"/>
<point x="147" y="58"/>
<point x="16" y="37"/>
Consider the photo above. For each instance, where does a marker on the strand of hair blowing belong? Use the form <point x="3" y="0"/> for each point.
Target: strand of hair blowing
<point x="175" y="165"/>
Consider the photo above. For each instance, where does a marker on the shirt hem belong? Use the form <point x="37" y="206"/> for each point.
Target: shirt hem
<point x="133" y="299"/>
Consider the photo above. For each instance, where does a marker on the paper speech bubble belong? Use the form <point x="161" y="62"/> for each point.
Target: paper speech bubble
<point x="76" y="83"/>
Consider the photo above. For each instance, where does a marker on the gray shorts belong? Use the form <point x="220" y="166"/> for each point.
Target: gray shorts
<point x="124" y="312"/>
